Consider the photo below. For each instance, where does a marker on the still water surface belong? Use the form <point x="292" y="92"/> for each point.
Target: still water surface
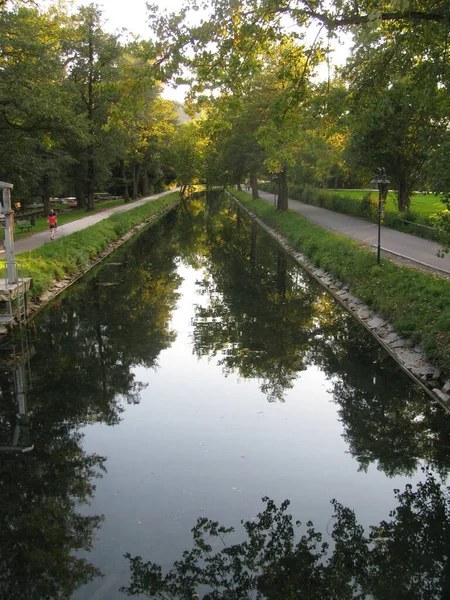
<point x="196" y="372"/>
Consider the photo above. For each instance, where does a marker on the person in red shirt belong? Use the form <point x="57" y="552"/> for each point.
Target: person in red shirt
<point x="52" y="223"/>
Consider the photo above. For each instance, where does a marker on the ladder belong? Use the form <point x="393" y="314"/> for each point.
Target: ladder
<point x="21" y="300"/>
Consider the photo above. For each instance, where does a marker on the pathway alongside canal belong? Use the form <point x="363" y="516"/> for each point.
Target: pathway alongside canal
<point x="39" y="239"/>
<point x="409" y="247"/>
<point x="403" y="245"/>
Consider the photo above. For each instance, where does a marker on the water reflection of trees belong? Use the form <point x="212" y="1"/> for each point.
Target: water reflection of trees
<point x="40" y="492"/>
<point x="403" y="558"/>
<point x="89" y="342"/>
<point x="84" y="352"/>
<point x="263" y="318"/>
<point x="257" y="321"/>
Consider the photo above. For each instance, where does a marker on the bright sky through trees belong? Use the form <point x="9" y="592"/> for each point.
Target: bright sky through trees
<point x="132" y="15"/>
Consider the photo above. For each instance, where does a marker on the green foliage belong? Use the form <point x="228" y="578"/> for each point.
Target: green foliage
<point x="415" y="302"/>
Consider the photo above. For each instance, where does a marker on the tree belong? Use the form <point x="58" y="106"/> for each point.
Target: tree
<point x="187" y="150"/>
<point x="36" y="110"/>
<point x="395" y="133"/>
<point x="92" y="75"/>
<point x="405" y="557"/>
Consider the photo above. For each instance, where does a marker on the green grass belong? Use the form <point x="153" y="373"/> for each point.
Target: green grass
<point x="423" y="204"/>
<point x="416" y="303"/>
<point x="419" y="220"/>
<point x="74" y="253"/>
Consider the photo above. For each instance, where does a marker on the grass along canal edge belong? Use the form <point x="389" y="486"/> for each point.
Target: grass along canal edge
<point x="57" y="265"/>
<point x="407" y="310"/>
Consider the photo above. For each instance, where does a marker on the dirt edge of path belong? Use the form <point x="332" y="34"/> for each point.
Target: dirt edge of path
<point x="410" y="358"/>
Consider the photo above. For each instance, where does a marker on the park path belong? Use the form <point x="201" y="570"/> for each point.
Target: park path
<point x="42" y="237"/>
<point x="403" y="245"/>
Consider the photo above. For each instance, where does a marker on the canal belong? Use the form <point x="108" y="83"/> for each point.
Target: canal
<point x="195" y="372"/>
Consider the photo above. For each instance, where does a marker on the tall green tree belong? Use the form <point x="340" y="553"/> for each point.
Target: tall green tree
<point x="36" y="110"/>
<point x="397" y="130"/>
<point x="93" y="73"/>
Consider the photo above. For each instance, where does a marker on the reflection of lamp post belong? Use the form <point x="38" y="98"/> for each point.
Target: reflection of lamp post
<point x="382" y="181"/>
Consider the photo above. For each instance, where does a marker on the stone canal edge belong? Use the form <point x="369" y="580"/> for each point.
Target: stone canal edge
<point x="409" y="357"/>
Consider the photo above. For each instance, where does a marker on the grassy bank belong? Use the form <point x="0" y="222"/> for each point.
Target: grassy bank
<point x="416" y="303"/>
<point x="74" y="253"/>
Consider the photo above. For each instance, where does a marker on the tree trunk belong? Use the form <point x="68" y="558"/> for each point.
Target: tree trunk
<point x="282" y="190"/>
<point x="145" y="182"/>
<point x="123" y="175"/>
<point x="254" y="184"/>
<point x="46" y="201"/>
<point x="90" y="165"/>
<point x="402" y="195"/>
<point x="79" y="193"/>
<point x="136" y="175"/>
<point x="46" y="194"/>
<point x="239" y="186"/>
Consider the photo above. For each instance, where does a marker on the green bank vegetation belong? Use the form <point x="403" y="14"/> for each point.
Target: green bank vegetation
<point x="415" y="302"/>
<point x="74" y="253"/>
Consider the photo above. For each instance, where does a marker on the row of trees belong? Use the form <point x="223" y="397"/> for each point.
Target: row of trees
<point x="264" y="112"/>
<point x="79" y="109"/>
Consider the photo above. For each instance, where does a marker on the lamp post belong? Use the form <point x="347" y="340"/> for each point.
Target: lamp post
<point x="382" y="181"/>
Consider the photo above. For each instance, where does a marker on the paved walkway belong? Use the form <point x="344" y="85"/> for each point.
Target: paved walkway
<point x="42" y="237"/>
<point x="404" y="245"/>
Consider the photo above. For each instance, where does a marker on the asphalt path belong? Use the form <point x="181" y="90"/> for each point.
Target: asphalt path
<point x="406" y="246"/>
<point x="43" y="237"/>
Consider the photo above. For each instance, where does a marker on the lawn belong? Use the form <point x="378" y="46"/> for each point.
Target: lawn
<point x="423" y="204"/>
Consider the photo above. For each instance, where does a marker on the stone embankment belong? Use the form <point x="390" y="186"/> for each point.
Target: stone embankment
<point x="410" y="357"/>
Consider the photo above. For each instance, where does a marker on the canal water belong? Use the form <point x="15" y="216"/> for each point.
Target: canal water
<point x="196" y="372"/>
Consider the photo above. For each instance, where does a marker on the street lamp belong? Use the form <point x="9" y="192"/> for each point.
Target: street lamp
<point x="382" y="181"/>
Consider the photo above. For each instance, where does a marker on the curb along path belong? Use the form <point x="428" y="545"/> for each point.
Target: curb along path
<point x="410" y="358"/>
